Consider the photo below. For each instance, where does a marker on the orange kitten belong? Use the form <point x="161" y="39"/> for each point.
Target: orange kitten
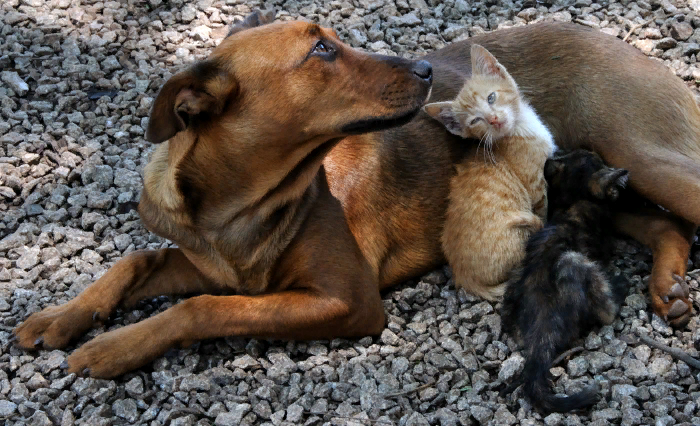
<point x="498" y="201"/>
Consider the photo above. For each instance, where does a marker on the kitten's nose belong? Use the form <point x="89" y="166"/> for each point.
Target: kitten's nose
<point x="494" y="120"/>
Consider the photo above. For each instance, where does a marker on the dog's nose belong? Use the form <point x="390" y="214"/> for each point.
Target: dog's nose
<point x="424" y="70"/>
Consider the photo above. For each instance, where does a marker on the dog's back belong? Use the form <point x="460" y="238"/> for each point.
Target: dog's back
<point x="577" y="79"/>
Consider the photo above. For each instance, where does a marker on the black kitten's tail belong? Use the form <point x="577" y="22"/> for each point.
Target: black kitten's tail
<point x="538" y="390"/>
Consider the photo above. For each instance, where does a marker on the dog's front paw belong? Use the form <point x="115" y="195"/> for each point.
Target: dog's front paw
<point x="116" y="352"/>
<point x="55" y="326"/>
<point x="673" y="305"/>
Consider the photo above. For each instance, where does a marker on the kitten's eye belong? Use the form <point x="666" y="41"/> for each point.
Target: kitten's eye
<point x="474" y="121"/>
<point x="492" y="97"/>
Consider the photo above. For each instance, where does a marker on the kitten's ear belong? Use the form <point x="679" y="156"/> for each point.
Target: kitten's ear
<point x="442" y="112"/>
<point x="484" y="63"/>
<point x="552" y="168"/>
<point x="606" y="184"/>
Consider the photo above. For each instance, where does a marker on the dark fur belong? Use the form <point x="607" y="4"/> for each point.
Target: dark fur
<point x="562" y="290"/>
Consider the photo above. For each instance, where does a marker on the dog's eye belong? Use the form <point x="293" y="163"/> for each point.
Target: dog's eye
<point x="321" y="47"/>
<point x="492" y="97"/>
<point x="474" y="121"/>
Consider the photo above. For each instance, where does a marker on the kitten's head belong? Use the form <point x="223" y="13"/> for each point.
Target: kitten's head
<point x="582" y="174"/>
<point x="488" y="104"/>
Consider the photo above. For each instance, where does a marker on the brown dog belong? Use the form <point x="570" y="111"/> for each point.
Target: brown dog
<point x="270" y="182"/>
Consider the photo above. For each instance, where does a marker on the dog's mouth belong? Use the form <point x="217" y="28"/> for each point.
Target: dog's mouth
<point x="374" y="124"/>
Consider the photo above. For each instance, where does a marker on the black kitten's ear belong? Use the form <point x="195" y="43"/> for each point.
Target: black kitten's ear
<point x="255" y="19"/>
<point x="552" y="167"/>
<point x="606" y="184"/>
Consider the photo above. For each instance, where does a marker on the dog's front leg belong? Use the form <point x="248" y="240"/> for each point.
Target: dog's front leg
<point x="669" y="238"/>
<point x="140" y="275"/>
<point x="296" y="314"/>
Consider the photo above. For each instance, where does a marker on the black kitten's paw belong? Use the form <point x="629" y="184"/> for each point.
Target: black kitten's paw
<point x="616" y="186"/>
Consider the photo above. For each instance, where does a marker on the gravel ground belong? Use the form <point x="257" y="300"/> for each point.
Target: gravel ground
<point x="76" y="85"/>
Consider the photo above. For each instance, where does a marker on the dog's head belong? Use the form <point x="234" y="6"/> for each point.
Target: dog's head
<point x="582" y="174"/>
<point x="258" y="116"/>
<point x="290" y="82"/>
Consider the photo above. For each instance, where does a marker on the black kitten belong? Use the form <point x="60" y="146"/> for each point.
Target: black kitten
<point x="561" y="290"/>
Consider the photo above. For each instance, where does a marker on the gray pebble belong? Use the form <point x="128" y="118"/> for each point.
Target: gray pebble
<point x="511" y="367"/>
<point x="482" y="414"/>
<point x="681" y="31"/>
<point x="14" y="82"/>
<point x="234" y="416"/>
<point x="599" y="362"/>
<point x="126" y="409"/>
<point x="7" y="408"/>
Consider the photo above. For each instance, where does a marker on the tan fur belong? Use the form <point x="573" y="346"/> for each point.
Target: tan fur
<point x="496" y="202"/>
<point x="491" y="215"/>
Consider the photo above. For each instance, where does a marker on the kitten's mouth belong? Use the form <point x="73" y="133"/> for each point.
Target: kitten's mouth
<point x="502" y="128"/>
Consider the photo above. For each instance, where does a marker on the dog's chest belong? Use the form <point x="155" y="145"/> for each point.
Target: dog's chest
<point x="229" y="277"/>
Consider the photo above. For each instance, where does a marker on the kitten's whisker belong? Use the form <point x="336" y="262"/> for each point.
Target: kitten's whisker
<point x="489" y="147"/>
<point x="479" y="145"/>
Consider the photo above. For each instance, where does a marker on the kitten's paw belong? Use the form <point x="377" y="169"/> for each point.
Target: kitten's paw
<point x="617" y="185"/>
<point x="613" y="193"/>
<point x="674" y="305"/>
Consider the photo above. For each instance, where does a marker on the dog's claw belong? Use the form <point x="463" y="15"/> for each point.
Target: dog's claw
<point x="64" y="365"/>
<point x="39" y="341"/>
<point x="86" y="372"/>
<point x="13" y="338"/>
<point x="677" y="309"/>
<point x="676" y="292"/>
<point x="680" y="282"/>
<point x="95" y="316"/>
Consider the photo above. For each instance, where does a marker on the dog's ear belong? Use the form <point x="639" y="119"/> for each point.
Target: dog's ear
<point x="606" y="184"/>
<point x="484" y="63"/>
<point x="442" y="112"/>
<point x="189" y="97"/>
<point x="255" y="19"/>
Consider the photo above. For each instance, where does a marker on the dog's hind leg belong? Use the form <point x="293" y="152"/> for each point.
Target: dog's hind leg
<point x="667" y="175"/>
<point x="669" y="238"/>
<point x="140" y="275"/>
